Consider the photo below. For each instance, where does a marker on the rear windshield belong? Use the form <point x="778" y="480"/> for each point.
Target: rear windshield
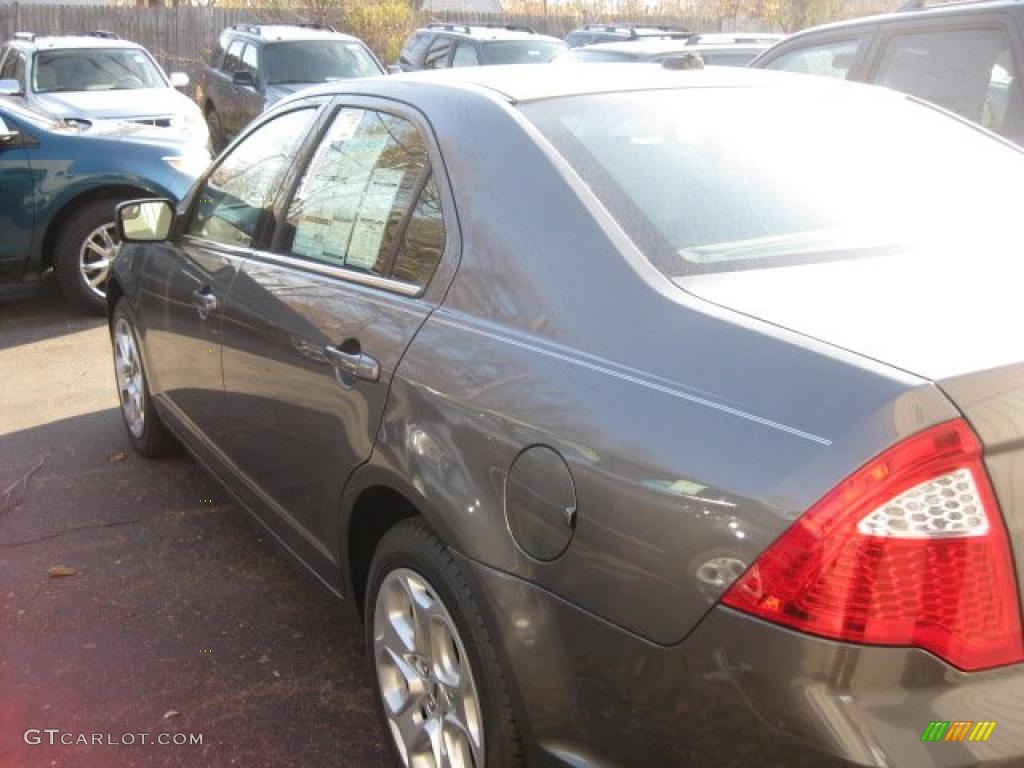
<point x="522" y="51"/>
<point x="317" y="61"/>
<point x="95" y="69"/>
<point x="720" y="179"/>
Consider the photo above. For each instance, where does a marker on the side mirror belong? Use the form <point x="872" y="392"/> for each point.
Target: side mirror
<point x="394" y="69"/>
<point x="6" y="134"/>
<point x="244" y="78"/>
<point x="179" y="80"/>
<point x="145" y="221"/>
<point x="10" y="88"/>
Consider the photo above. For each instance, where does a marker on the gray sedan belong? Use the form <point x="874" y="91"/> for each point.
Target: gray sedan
<point x="638" y="431"/>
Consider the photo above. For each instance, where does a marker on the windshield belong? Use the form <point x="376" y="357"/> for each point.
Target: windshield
<point x="318" y="61"/>
<point x="717" y="179"/>
<point x="522" y="51"/>
<point x="95" y="69"/>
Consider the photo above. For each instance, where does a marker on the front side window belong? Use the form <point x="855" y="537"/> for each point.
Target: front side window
<point x="367" y="201"/>
<point x="465" y="55"/>
<point x="95" y="69"/>
<point x="438" y="54"/>
<point x="522" y="51"/>
<point x="14" y="68"/>
<point x="317" y="61"/>
<point x="233" y="58"/>
<point x="250" y="61"/>
<point x="236" y="197"/>
<point x="699" y="187"/>
<point x="967" y="71"/>
<point x="832" y="59"/>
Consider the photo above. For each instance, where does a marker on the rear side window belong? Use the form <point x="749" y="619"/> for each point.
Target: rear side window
<point x="236" y="197"/>
<point x="831" y="59"/>
<point x="825" y="174"/>
<point x="368" y="202"/>
<point x="233" y="58"/>
<point x="967" y="71"/>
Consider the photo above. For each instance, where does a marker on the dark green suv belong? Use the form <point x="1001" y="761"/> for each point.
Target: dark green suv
<point x="59" y="183"/>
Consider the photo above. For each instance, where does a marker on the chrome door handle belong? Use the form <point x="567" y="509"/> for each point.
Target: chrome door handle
<point x="205" y="302"/>
<point x="354" y="363"/>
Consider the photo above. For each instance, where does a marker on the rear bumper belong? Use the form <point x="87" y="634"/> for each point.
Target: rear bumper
<point x="737" y="692"/>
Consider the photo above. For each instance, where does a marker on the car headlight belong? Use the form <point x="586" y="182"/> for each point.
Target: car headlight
<point x="192" y="163"/>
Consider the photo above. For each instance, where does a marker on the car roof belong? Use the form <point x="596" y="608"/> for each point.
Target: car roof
<point x="278" y="33"/>
<point x="925" y="11"/>
<point x="668" y="45"/>
<point x="532" y="82"/>
<point x="485" y="32"/>
<point x="71" y="42"/>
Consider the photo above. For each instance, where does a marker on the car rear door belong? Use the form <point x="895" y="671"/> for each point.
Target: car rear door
<point x="968" y="63"/>
<point x="184" y="282"/>
<point x="315" y="327"/>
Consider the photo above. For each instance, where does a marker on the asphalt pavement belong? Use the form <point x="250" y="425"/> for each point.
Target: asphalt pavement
<point x="137" y="598"/>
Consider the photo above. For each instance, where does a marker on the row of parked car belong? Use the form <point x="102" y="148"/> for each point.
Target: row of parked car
<point x="962" y="56"/>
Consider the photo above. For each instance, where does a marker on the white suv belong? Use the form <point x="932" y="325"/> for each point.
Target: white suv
<point x="97" y="76"/>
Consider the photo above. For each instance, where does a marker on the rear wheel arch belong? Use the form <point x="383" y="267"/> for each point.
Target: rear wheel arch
<point x="377" y="509"/>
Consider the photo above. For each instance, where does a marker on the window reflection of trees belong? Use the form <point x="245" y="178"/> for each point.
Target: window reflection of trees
<point x="338" y="187"/>
<point x="237" y="192"/>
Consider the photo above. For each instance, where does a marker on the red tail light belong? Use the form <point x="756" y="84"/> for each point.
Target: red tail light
<point x="910" y="550"/>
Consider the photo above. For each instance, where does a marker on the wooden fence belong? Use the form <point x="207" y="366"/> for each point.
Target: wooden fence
<point x="181" y="37"/>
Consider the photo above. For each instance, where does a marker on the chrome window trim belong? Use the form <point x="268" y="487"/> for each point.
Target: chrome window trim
<point x="349" y="275"/>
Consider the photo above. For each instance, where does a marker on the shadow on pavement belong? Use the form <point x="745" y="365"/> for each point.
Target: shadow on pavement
<point x="181" y="616"/>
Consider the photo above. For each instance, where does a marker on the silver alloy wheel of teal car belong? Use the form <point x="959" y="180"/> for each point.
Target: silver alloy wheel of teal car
<point x="96" y="255"/>
<point x="130" y="384"/>
<point x="426" y="684"/>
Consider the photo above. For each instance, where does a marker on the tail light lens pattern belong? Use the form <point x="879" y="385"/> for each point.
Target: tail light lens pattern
<point x="910" y="550"/>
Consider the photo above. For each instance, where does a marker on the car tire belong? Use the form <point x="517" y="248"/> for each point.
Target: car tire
<point x="147" y="432"/>
<point x="216" y="130"/>
<point x="85" y="247"/>
<point x="415" y="580"/>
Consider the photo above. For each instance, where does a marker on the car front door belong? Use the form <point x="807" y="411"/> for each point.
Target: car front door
<point x="17" y="200"/>
<point x="185" y="282"/>
<point x="314" y="328"/>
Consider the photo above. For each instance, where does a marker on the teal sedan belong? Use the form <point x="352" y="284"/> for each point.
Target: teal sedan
<point x="59" y="184"/>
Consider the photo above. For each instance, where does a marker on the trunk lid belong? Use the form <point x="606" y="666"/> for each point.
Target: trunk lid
<point x="950" y="319"/>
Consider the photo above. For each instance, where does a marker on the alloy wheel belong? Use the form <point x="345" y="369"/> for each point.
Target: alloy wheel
<point x="96" y="255"/>
<point x="130" y="384"/>
<point x="430" y="697"/>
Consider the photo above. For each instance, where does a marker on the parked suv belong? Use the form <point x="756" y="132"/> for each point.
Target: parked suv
<point x="443" y="45"/>
<point x="97" y="76"/>
<point x="966" y="57"/>
<point x="253" y="66"/>
<point x="612" y="32"/>
<point x="59" y="183"/>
